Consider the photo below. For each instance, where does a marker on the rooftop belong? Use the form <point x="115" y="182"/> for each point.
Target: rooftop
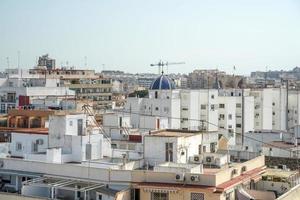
<point x="163" y="82"/>
<point x="280" y="144"/>
<point x="279" y="173"/>
<point x="173" y="133"/>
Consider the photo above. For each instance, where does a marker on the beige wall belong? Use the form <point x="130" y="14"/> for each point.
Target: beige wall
<point x="185" y="193"/>
<point x="225" y="175"/>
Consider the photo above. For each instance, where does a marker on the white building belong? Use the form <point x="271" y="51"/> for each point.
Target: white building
<point x="39" y="92"/>
<point x="24" y="143"/>
<point x="71" y="138"/>
<point x="177" y="146"/>
<point x="184" y="109"/>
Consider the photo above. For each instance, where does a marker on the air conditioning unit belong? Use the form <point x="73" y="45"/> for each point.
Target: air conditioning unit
<point x="180" y="177"/>
<point x="196" y="159"/>
<point x="195" y="178"/>
<point x="209" y="159"/>
<point x="39" y="142"/>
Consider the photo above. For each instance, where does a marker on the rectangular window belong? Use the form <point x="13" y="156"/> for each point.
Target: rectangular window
<point x="2" y="109"/>
<point x="185" y="109"/>
<point x="19" y="146"/>
<point x="238" y="125"/>
<point x="169" y="152"/>
<point x="197" y="196"/>
<point x="203" y="107"/>
<point x="230" y="116"/>
<point x="212" y="147"/>
<point x="34" y="147"/>
<point x="238" y="105"/>
<point x="159" y="196"/>
<point x="221" y="105"/>
<point x="199" y="149"/>
<point x="204" y="149"/>
<point x="166" y="109"/>
<point x="221" y="116"/>
<point x="212" y="107"/>
<point x="120" y="121"/>
<point x="80" y="126"/>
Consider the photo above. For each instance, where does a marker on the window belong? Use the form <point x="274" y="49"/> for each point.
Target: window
<point x="159" y="196"/>
<point x="197" y="196"/>
<point x="185" y="119"/>
<point x="156" y="109"/>
<point x="203" y="107"/>
<point x="204" y="149"/>
<point x="230" y="116"/>
<point x="34" y="147"/>
<point x="221" y="105"/>
<point x="212" y="107"/>
<point x="19" y="146"/>
<point x="273" y="113"/>
<point x="212" y="147"/>
<point x="120" y="121"/>
<point x="169" y="152"/>
<point x="238" y="125"/>
<point x="212" y="96"/>
<point x="156" y="94"/>
<point x="200" y="149"/>
<point x="221" y="116"/>
<point x="185" y="109"/>
<point x="166" y="109"/>
<point x="273" y="103"/>
<point x="71" y="123"/>
<point x="238" y="105"/>
<point x="100" y="197"/>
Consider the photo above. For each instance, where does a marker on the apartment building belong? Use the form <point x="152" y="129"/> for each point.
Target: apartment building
<point x="87" y="84"/>
<point x="17" y="91"/>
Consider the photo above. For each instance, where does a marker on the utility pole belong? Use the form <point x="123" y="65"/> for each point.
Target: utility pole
<point x="7" y="60"/>
<point x="243" y="116"/>
<point x="287" y="105"/>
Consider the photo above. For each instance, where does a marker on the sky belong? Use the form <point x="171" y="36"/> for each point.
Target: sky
<point x="129" y="35"/>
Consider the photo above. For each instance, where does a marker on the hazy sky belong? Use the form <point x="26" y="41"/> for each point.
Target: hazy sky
<point x="130" y="34"/>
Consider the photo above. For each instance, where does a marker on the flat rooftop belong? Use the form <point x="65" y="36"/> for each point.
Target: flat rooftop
<point x="279" y="144"/>
<point x="279" y="173"/>
<point x="173" y="133"/>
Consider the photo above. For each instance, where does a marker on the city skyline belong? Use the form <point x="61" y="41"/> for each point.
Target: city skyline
<point x="131" y="35"/>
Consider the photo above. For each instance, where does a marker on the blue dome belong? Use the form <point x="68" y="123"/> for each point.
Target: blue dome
<point x="162" y="83"/>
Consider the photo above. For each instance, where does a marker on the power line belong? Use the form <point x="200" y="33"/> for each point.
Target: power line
<point x="205" y="121"/>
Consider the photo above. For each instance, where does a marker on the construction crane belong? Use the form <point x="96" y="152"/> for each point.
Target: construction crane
<point x="161" y="65"/>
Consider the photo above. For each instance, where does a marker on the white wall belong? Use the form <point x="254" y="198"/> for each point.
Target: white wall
<point x="27" y="141"/>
